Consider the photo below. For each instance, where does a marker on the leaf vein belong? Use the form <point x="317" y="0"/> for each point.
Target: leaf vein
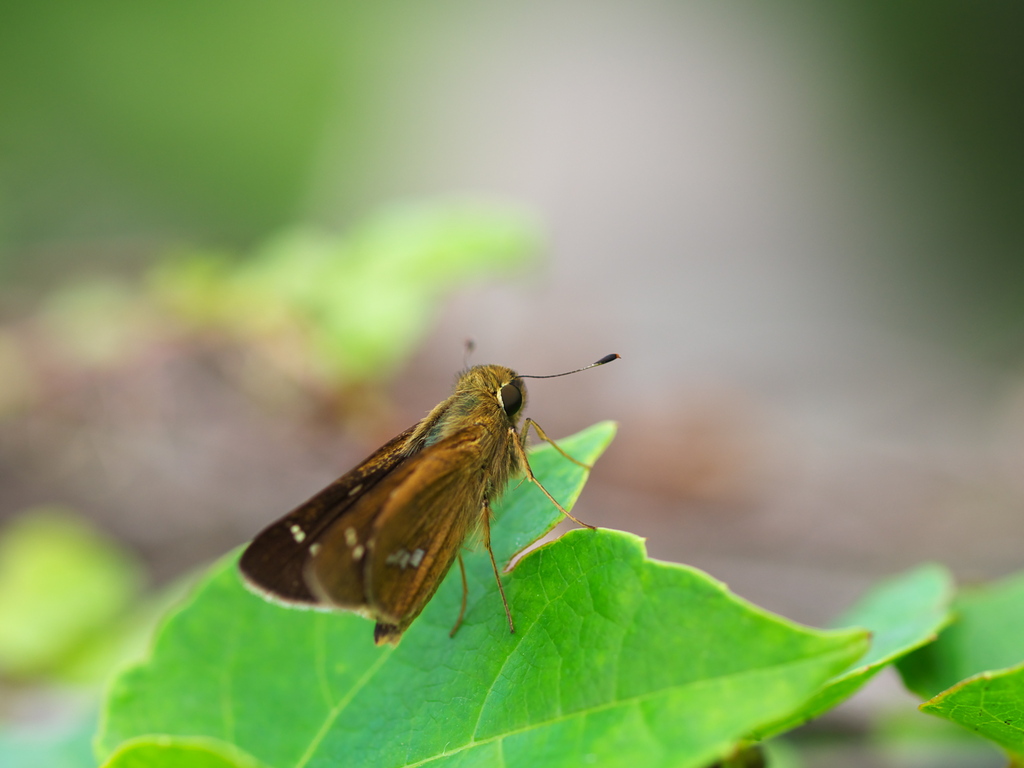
<point x="636" y="700"/>
<point x="338" y="708"/>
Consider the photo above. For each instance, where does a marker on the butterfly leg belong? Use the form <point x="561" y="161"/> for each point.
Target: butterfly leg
<point x="487" y="543"/>
<point x="465" y="595"/>
<point x="543" y="436"/>
<point x="521" y="452"/>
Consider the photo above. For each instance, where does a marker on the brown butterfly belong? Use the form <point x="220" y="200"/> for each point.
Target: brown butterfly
<point x="380" y="539"/>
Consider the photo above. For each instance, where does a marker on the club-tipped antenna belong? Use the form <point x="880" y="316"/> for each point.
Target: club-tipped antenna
<point x="602" y="361"/>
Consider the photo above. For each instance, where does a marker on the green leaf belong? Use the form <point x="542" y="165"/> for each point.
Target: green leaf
<point x="991" y="704"/>
<point x="988" y="634"/>
<point x="617" y="658"/>
<point x="177" y="752"/>
<point x="902" y="614"/>
<point x="979" y="661"/>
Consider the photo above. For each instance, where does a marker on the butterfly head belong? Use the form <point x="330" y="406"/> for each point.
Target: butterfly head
<point x="494" y="384"/>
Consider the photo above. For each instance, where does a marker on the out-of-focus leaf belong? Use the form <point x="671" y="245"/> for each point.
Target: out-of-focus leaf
<point x="62" y="585"/>
<point x="97" y="323"/>
<point x="987" y="634"/>
<point x="902" y="613"/>
<point x="978" y="665"/>
<point x="356" y="304"/>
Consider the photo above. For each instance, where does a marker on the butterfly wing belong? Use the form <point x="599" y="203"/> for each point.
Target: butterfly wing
<point x="423" y="514"/>
<point x="273" y="563"/>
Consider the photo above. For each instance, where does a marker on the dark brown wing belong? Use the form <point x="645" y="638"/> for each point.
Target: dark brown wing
<point x="273" y="563"/>
<point x="424" y="512"/>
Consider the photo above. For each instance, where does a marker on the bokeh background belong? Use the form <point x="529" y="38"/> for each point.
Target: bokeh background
<point x="241" y="245"/>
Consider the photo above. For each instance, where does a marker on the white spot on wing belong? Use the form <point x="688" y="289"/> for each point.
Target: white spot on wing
<point x="351" y="538"/>
<point x="399" y="557"/>
<point x="357" y="552"/>
<point x="355" y="490"/>
<point x="298" y="534"/>
<point x="404" y="559"/>
<point x="314" y="549"/>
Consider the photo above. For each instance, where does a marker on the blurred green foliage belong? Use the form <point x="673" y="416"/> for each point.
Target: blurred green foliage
<point x="63" y="587"/>
<point x="96" y="324"/>
<point x="355" y="304"/>
<point x="902" y="613"/>
<point x="988" y="634"/>
<point x="974" y="671"/>
<point x="323" y="313"/>
<point x="72" y="611"/>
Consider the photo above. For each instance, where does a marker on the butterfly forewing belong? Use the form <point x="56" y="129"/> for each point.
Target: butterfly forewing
<point x="274" y="562"/>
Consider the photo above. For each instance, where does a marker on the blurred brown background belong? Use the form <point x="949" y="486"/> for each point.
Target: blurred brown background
<point x="800" y="227"/>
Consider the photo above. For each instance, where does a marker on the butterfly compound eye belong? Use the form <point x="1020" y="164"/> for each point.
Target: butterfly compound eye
<point x="511" y="399"/>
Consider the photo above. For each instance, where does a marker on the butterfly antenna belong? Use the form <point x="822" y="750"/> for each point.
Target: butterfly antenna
<point x="602" y="361"/>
